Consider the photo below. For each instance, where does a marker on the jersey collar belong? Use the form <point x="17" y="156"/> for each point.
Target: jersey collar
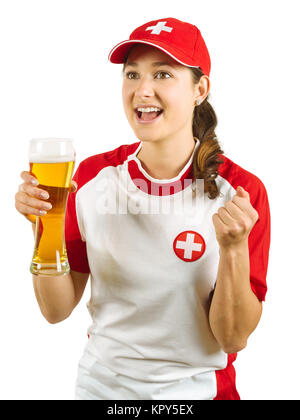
<point x="161" y="187"/>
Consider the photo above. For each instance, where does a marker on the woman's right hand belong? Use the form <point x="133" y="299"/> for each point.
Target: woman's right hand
<point x="30" y="200"/>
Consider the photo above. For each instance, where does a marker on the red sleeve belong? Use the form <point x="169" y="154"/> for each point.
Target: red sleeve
<point x="259" y="242"/>
<point x="260" y="235"/>
<point x="76" y="247"/>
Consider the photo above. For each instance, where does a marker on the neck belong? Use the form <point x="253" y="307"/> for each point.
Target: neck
<point x="165" y="159"/>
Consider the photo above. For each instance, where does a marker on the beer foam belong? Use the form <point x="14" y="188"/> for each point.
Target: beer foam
<point x="51" y="150"/>
<point x="37" y="158"/>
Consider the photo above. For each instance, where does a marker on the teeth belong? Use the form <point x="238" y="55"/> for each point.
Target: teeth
<point x="149" y="109"/>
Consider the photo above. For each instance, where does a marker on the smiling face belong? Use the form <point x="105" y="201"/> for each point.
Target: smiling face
<point x="153" y="80"/>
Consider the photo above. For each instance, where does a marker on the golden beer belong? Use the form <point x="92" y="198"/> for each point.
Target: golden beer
<point x="54" y="172"/>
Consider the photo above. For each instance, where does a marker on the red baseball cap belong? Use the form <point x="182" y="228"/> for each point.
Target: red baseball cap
<point x="180" y="40"/>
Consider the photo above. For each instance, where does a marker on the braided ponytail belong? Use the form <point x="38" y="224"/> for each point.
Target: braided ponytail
<point x="207" y="161"/>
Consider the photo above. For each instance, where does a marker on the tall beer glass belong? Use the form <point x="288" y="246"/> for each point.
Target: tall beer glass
<point x="52" y="163"/>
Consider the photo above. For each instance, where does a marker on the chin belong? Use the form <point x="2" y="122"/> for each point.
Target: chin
<point x="149" y="134"/>
<point x="147" y="137"/>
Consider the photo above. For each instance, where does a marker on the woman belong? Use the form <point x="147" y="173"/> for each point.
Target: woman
<point x="174" y="235"/>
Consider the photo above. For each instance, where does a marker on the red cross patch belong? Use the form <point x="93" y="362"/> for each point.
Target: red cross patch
<point x="189" y="246"/>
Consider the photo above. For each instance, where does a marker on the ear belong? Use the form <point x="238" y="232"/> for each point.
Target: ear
<point x="202" y="89"/>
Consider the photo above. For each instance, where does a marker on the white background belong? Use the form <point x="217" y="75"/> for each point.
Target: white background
<point x="55" y="80"/>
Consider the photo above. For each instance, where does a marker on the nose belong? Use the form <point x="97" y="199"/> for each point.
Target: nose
<point x="144" y="88"/>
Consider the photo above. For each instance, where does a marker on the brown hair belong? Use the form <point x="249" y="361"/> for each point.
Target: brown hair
<point x="206" y="162"/>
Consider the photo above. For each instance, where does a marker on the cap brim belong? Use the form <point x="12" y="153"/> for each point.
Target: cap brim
<point x="118" y="54"/>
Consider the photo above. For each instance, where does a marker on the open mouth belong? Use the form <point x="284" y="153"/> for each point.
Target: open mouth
<point x="148" y="114"/>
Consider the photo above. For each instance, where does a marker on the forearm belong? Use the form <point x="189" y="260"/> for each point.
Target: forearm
<point x="55" y="295"/>
<point x="235" y="310"/>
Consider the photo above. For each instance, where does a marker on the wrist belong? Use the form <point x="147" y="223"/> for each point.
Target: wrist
<point x="239" y="248"/>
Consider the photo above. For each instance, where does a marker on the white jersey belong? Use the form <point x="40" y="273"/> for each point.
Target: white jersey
<point x="151" y="250"/>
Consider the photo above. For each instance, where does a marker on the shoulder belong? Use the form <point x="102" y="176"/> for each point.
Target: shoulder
<point x="91" y="166"/>
<point x="236" y="175"/>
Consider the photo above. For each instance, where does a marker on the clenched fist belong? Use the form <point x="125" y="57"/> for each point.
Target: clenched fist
<point x="234" y="222"/>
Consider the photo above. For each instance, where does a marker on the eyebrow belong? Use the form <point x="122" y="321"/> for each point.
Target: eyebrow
<point x="156" y="64"/>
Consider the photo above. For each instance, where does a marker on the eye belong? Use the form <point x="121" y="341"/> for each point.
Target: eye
<point x="131" y="75"/>
<point x="163" y="75"/>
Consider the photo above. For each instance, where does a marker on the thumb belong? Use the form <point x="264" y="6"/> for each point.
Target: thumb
<point x="241" y="192"/>
<point x="73" y="186"/>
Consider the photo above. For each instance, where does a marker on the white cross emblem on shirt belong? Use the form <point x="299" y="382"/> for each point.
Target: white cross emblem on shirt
<point x="158" y="28"/>
<point x="189" y="246"/>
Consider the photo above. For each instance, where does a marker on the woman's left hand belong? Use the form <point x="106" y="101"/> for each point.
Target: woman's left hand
<point x="234" y="222"/>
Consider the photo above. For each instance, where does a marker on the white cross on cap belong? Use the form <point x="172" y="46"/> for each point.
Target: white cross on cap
<point x="189" y="246"/>
<point x="160" y="26"/>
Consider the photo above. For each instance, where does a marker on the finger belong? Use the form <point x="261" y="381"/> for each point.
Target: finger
<point x="218" y="223"/>
<point x="239" y="198"/>
<point x="26" y="211"/>
<point x="27" y="177"/>
<point x="74" y="186"/>
<point x="225" y="216"/>
<point x="234" y="210"/>
<point x="245" y="206"/>
<point x="242" y="202"/>
<point x="33" y="191"/>
<point x="242" y="192"/>
<point x="24" y="199"/>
